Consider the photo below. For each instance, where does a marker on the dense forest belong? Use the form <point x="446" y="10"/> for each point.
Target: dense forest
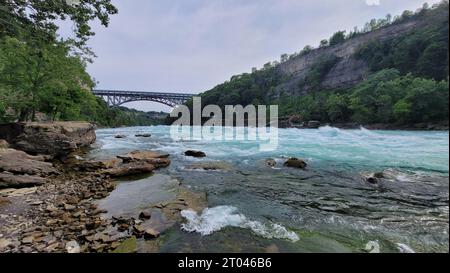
<point x="42" y="76"/>
<point x="407" y="83"/>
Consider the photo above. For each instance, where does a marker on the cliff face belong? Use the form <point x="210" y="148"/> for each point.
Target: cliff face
<point x="346" y="72"/>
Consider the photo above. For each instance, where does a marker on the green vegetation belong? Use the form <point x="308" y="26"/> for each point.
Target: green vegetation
<point x="423" y="52"/>
<point x="43" y="76"/>
<point x="408" y="82"/>
<point x="385" y="97"/>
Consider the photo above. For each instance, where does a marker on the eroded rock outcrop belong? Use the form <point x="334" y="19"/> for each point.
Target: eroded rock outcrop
<point x="56" y="138"/>
<point x="9" y="180"/>
<point x="19" y="162"/>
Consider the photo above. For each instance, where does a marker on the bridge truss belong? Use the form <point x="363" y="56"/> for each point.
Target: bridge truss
<point x="117" y="98"/>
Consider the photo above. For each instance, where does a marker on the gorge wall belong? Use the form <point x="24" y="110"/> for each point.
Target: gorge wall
<point x="346" y="72"/>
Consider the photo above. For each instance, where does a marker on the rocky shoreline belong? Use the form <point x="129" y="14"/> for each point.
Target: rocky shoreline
<point x="49" y="193"/>
<point x="296" y="122"/>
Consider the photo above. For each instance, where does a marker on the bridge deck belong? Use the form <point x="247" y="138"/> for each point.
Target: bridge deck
<point x="140" y="93"/>
<point x="118" y="97"/>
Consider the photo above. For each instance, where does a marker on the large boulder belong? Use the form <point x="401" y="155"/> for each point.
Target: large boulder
<point x="195" y="153"/>
<point x="295" y="163"/>
<point x="18" y="162"/>
<point x="52" y="138"/>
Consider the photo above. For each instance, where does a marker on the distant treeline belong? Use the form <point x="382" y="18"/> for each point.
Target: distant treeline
<point x="408" y="82"/>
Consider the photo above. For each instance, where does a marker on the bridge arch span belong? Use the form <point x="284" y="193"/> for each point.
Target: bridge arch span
<point x="117" y="98"/>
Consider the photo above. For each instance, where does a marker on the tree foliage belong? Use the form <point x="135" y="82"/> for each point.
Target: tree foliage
<point x="18" y="16"/>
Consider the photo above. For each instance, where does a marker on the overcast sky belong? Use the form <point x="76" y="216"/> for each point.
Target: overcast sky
<point x="192" y="45"/>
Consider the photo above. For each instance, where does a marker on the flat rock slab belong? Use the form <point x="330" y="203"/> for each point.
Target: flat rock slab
<point x="18" y="162"/>
<point x="8" y="180"/>
<point x="142" y="156"/>
<point x="130" y="198"/>
<point x="129" y="169"/>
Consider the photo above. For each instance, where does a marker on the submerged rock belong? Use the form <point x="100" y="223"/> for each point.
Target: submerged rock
<point x="211" y="166"/>
<point x="143" y="135"/>
<point x="120" y="136"/>
<point x="271" y="162"/>
<point x="372" y="180"/>
<point x="295" y="163"/>
<point x="142" y="156"/>
<point x="151" y="233"/>
<point x="55" y="138"/>
<point x="193" y="153"/>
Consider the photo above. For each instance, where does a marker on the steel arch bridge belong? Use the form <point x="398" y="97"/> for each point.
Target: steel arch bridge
<point x="117" y="98"/>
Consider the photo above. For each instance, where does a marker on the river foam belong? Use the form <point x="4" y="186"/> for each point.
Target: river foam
<point x="217" y="218"/>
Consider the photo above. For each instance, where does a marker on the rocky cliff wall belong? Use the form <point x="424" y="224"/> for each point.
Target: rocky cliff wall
<point x="348" y="71"/>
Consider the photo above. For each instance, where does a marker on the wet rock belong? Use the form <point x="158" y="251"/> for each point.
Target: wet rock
<point x="151" y="233"/>
<point x="378" y="175"/>
<point x="53" y="138"/>
<point x="313" y="124"/>
<point x="127" y="246"/>
<point x="271" y="162"/>
<point x="193" y="153"/>
<point x="372" y="180"/>
<point x="73" y="247"/>
<point x="158" y="160"/>
<point x="98" y="165"/>
<point x="295" y="163"/>
<point x="137" y="156"/>
<point x="120" y="136"/>
<point x="123" y="227"/>
<point x="143" y="135"/>
<point x="8" y="180"/>
<point x="211" y="166"/>
<point x="145" y="215"/>
<point x="138" y="230"/>
<point x="130" y="169"/>
<point x="19" y="162"/>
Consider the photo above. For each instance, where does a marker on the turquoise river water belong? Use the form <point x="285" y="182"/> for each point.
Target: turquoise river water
<point x="329" y="207"/>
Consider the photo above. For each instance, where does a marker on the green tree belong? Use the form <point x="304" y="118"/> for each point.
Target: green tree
<point x="17" y="16"/>
<point x="337" y="38"/>
<point x="48" y="80"/>
<point x="337" y="108"/>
